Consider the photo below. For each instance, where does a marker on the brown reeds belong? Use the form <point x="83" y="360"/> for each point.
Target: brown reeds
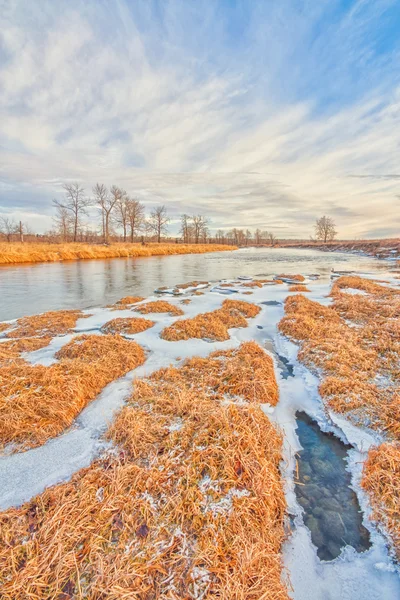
<point x="32" y="253"/>
<point x="296" y="277"/>
<point x="214" y="325"/>
<point x="191" y="505"/>
<point x="50" y="323"/>
<point x="38" y="402"/>
<point x="130" y="300"/>
<point x="159" y="306"/>
<point x="128" y="326"/>
<point x="298" y="288"/>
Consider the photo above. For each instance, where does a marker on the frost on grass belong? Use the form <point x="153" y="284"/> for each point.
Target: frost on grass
<point x="193" y="511"/>
<point x="355" y="344"/>
<point x="214" y="325"/>
<point x="47" y="324"/>
<point x="38" y="402"/>
<point x="159" y="306"/>
<point x="127" y="326"/>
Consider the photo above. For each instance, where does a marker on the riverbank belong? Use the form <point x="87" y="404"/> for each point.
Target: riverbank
<point x="386" y="249"/>
<point x="16" y="253"/>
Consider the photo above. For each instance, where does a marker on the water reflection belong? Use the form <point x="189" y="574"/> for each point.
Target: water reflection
<point x="331" y="509"/>
<point x="30" y="289"/>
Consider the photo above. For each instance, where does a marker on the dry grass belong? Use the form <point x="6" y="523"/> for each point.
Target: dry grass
<point x="381" y="478"/>
<point x="32" y="253"/>
<point x="294" y="277"/>
<point x="4" y="326"/>
<point x="298" y="288"/>
<point x="355" y="344"/>
<point x="12" y="349"/>
<point x="252" y="284"/>
<point x="130" y="300"/>
<point x="159" y="306"/>
<point x="214" y="325"/>
<point x="50" y="323"/>
<point x="38" y="402"/>
<point x="192" y="506"/>
<point x="128" y="326"/>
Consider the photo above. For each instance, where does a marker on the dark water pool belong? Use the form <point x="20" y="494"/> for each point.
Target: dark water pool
<point x="331" y="508"/>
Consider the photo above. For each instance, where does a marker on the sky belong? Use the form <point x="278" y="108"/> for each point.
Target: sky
<point x="256" y="113"/>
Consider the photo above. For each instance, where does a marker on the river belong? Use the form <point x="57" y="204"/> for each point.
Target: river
<point x="34" y="288"/>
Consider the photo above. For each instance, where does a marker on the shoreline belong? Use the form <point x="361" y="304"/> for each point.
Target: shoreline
<point x="381" y="249"/>
<point x="29" y="253"/>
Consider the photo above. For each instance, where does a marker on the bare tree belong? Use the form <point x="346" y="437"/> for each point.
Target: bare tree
<point x="8" y="227"/>
<point x="158" y="221"/>
<point x="186" y="229"/>
<point x="106" y="203"/>
<point x="272" y="238"/>
<point x="62" y="221"/>
<point x="200" y="227"/>
<point x="135" y="215"/>
<point x="121" y="209"/>
<point x="76" y="203"/>
<point x="325" y="229"/>
<point x="257" y="236"/>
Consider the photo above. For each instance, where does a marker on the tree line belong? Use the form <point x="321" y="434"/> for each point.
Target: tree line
<point x="122" y="217"/>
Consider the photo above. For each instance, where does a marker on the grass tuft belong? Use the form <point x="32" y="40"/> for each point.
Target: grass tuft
<point x="214" y="325"/>
<point x="128" y="326"/>
<point x="159" y="306"/>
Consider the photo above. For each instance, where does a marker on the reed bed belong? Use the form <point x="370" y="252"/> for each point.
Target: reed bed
<point x="212" y="326"/>
<point x="355" y="345"/>
<point x="159" y="306"/>
<point x="51" y="323"/>
<point x="33" y="253"/>
<point x="128" y="326"/>
<point x="298" y="288"/>
<point x="191" y="504"/>
<point x="38" y="402"/>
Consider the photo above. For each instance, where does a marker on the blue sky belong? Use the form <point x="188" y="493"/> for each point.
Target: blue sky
<point x="257" y="113"/>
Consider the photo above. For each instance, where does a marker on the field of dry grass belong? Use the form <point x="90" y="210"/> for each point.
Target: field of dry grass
<point x="48" y="324"/>
<point x="214" y="325"/>
<point x="355" y="344"/>
<point x="38" y="402"/>
<point x="15" y="253"/>
<point x="190" y="506"/>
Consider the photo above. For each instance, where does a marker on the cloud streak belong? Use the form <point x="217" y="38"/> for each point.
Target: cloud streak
<point x="255" y="115"/>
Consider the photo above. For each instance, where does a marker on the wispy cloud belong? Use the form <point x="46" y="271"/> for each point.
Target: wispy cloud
<point x="256" y="114"/>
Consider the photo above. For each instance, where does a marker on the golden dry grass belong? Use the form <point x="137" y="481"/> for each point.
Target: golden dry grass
<point x="50" y="323"/>
<point x="159" y="306"/>
<point x="213" y="325"/>
<point x="130" y="300"/>
<point x="191" y="506"/>
<point x="4" y="326"/>
<point x="38" y="402"/>
<point x="32" y="253"/>
<point x="129" y="326"/>
<point x="294" y="277"/>
<point x="355" y="344"/>
<point x="298" y="288"/>
<point x="12" y="349"/>
<point x="381" y="478"/>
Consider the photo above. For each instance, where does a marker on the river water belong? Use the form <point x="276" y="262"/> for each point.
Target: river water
<point x="36" y="288"/>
